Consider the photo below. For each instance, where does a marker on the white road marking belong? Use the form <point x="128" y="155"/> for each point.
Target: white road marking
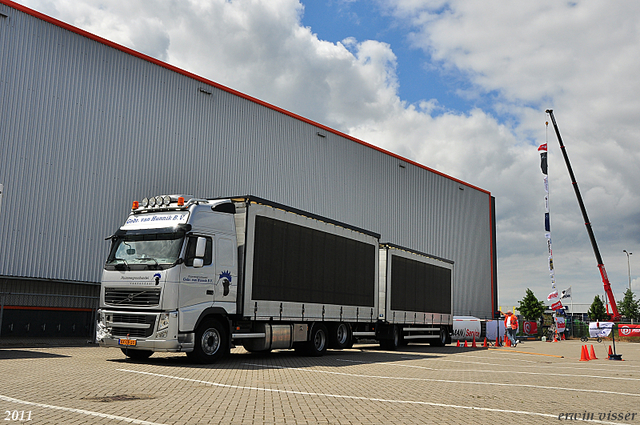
<point x="81" y="411"/>
<point x="537" y="365"/>
<point x="447" y="381"/>
<point x="494" y="371"/>
<point x="349" y="397"/>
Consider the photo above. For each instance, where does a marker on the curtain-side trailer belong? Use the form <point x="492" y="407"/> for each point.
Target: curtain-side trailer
<point x="203" y="275"/>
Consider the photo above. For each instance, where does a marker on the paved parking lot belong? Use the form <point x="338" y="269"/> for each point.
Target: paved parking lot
<point x="366" y="385"/>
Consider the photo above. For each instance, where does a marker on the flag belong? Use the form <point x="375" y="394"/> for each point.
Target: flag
<point x="554" y="299"/>
<point x="543" y="158"/>
<point x="566" y="293"/>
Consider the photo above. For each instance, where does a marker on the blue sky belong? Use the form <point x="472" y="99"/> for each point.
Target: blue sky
<point x="420" y="78"/>
<point x="458" y="86"/>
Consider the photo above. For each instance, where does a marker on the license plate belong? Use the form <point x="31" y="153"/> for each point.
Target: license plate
<point x="127" y="342"/>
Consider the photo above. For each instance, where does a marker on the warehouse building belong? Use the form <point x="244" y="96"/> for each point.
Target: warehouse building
<point x="90" y="126"/>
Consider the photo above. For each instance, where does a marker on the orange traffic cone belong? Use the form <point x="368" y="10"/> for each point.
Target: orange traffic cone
<point x="458" y="344"/>
<point x="484" y="344"/>
<point x="508" y="340"/>
<point x="497" y="341"/>
<point x="584" y="356"/>
<point x="610" y="351"/>
<point x="563" y="338"/>
<point x="465" y="344"/>
<point x="555" y="337"/>
<point x="473" y="344"/>
<point x="592" y="354"/>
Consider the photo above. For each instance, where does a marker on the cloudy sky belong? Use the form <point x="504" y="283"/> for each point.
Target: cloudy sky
<point x="458" y="86"/>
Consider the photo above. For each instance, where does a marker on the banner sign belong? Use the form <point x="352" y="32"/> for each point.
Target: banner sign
<point x="530" y="328"/>
<point x="553" y="298"/>
<point x="629" y="330"/>
<point x="560" y="324"/>
<point x="600" y="329"/>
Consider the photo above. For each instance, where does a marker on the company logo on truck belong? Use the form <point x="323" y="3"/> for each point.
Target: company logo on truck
<point x="160" y="219"/>
<point x="197" y="279"/>
<point x="137" y="280"/>
<point x="225" y="277"/>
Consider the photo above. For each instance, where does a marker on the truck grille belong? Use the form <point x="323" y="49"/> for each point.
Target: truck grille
<point x="120" y="329"/>
<point x="131" y="318"/>
<point x="133" y="297"/>
<point x="132" y="332"/>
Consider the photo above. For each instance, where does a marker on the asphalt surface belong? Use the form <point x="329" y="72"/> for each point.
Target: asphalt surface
<point x="535" y="382"/>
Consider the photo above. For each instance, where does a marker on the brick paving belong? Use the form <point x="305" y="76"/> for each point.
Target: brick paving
<point x="417" y="384"/>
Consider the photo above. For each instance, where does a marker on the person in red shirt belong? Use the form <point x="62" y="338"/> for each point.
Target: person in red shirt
<point x="511" y="327"/>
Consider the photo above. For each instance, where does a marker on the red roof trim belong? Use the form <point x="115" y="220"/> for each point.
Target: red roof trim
<point x="142" y="56"/>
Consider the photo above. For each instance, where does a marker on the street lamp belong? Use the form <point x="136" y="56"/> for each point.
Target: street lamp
<point x="628" y="266"/>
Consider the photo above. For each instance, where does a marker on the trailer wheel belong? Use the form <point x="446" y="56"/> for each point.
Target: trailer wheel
<point x="395" y="341"/>
<point x="137" y="354"/>
<point x="318" y="340"/>
<point x="442" y="339"/>
<point x="211" y="342"/>
<point x="340" y="336"/>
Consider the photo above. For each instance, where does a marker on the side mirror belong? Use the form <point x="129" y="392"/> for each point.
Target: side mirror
<point x="201" y="246"/>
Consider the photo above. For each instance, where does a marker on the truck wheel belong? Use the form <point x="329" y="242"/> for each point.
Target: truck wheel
<point x="340" y="336"/>
<point x="211" y="342"/>
<point x="395" y="341"/>
<point x="442" y="339"/>
<point x="318" y="341"/>
<point x="137" y="354"/>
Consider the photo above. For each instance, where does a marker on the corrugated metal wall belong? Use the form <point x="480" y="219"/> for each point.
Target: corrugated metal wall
<point x="87" y="128"/>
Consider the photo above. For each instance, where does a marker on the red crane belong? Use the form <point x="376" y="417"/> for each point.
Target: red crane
<point x="614" y="315"/>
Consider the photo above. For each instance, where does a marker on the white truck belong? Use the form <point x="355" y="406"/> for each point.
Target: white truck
<point x="204" y="275"/>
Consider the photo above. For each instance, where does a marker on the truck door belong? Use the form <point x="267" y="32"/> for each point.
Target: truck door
<point x="226" y="286"/>
<point x="197" y="279"/>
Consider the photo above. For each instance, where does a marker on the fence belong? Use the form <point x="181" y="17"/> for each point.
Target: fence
<point x="576" y="327"/>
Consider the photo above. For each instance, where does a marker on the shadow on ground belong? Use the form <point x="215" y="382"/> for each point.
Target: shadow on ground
<point x="8" y="354"/>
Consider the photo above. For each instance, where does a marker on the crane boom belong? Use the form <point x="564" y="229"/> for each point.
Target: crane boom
<point x="615" y="315"/>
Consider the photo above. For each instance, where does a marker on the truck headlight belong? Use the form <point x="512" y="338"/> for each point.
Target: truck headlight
<point x="163" y="321"/>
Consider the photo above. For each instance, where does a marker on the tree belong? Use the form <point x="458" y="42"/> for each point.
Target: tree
<point x="597" y="311"/>
<point x="629" y="307"/>
<point x="530" y="307"/>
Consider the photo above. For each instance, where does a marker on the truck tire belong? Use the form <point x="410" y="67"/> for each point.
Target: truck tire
<point x="211" y="342"/>
<point x="137" y="354"/>
<point x="340" y="336"/>
<point x="442" y="339"/>
<point x="395" y="341"/>
<point x="318" y="341"/>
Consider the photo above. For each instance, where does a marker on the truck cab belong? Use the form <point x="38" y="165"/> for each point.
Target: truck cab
<point x="170" y="264"/>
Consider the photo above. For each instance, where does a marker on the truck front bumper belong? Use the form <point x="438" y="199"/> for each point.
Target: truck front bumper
<point x="142" y="331"/>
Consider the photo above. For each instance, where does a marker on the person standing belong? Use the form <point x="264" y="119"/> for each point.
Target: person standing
<point x="511" y="327"/>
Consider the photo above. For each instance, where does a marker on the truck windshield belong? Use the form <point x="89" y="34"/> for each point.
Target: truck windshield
<point x="144" y="251"/>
